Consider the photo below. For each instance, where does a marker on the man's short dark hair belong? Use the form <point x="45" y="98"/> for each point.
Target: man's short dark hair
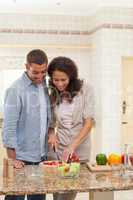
<point x="37" y="56"/>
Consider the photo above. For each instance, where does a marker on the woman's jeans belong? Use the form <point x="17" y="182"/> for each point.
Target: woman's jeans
<point x="65" y="196"/>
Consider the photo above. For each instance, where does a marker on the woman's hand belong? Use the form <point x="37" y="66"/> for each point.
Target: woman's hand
<point x="70" y="155"/>
<point x="53" y="141"/>
<point x="18" y="164"/>
<point x="67" y="153"/>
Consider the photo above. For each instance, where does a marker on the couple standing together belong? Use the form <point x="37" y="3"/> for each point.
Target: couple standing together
<point x="32" y="111"/>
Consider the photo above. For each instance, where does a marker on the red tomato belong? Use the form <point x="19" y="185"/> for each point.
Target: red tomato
<point x="74" y="158"/>
<point x="51" y="163"/>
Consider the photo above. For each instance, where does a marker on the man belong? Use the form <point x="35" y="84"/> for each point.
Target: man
<point x="27" y="116"/>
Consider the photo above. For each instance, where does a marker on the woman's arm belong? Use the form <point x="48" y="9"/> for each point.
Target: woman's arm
<point x="88" y="123"/>
<point x="80" y="137"/>
<point x="88" y="118"/>
<point x="88" y="115"/>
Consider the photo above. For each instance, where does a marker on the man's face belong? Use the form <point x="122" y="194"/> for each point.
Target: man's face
<point x="36" y="72"/>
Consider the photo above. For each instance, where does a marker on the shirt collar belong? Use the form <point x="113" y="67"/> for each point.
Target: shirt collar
<point x="28" y="81"/>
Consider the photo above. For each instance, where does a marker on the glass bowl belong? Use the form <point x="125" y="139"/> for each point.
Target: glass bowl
<point x="69" y="170"/>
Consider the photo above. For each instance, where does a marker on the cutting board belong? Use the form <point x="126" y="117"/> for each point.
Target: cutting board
<point x="98" y="168"/>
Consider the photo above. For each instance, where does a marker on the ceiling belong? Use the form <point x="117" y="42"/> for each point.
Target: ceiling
<point x="66" y="7"/>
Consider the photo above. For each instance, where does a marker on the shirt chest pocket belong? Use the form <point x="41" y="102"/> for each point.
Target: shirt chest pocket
<point x="31" y="106"/>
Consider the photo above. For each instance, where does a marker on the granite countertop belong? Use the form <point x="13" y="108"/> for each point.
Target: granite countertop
<point x="21" y="182"/>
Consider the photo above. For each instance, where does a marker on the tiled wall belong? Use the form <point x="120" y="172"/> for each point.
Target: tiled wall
<point x="111" y="43"/>
<point x="44" y="22"/>
<point x="116" y="43"/>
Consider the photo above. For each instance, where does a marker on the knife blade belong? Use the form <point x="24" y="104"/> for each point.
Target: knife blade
<point x="54" y="149"/>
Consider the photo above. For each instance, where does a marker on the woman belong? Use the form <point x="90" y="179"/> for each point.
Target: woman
<point x="73" y="108"/>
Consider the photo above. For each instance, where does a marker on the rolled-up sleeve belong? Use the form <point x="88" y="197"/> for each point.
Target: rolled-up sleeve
<point x="12" y="107"/>
<point x="89" y="103"/>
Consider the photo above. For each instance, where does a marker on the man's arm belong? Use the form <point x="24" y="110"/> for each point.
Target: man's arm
<point x="12" y="107"/>
<point x="11" y="153"/>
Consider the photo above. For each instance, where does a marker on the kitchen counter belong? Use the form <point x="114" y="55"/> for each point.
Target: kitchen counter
<point x="22" y="182"/>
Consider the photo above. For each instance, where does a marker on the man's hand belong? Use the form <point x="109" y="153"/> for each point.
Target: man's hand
<point x="18" y="164"/>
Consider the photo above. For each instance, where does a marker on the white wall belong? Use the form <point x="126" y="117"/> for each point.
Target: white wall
<point x="109" y="37"/>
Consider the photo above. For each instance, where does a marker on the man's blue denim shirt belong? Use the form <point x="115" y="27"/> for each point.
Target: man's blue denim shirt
<point x="21" y="127"/>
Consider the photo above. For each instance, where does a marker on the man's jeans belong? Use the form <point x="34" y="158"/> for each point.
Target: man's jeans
<point x="29" y="197"/>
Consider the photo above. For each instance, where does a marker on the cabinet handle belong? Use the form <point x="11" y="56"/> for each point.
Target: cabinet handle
<point x="124" y="107"/>
<point x="124" y="122"/>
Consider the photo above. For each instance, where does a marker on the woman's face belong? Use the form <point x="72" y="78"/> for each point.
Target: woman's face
<point x="60" y="80"/>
